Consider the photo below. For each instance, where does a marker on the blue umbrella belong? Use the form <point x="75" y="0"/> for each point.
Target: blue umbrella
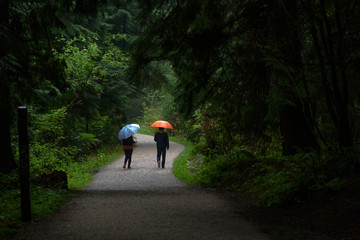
<point x="128" y="131"/>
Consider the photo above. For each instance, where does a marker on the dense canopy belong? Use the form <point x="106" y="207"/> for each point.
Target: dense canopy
<point x="266" y="91"/>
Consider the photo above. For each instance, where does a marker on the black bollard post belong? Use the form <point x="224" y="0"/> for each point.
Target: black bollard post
<point x="24" y="163"/>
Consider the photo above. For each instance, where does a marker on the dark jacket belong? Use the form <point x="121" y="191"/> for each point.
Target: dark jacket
<point x="162" y="140"/>
<point x="127" y="143"/>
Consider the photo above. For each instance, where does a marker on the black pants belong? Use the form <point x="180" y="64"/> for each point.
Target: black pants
<point x="161" y="151"/>
<point x="128" y="154"/>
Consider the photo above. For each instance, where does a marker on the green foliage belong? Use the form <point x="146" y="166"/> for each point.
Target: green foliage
<point x="78" y="175"/>
<point x="46" y="201"/>
<point x="45" y="158"/>
<point x="74" y="130"/>
<point x="257" y="168"/>
<point x="152" y="107"/>
<point x="76" y="88"/>
<point x="49" y="127"/>
<point x="181" y="168"/>
<point x="10" y="213"/>
<point x="158" y="105"/>
<point x="94" y="70"/>
<point x="81" y="173"/>
<point x="9" y="203"/>
<point x="47" y="149"/>
<point x="212" y="174"/>
<point x="323" y="184"/>
<point x="9" y="181"/>
<point x="224" y="170"/>
<point x="270" y="180"/>
<point x="88" y="141"/>
<point x="275" y="181"/>
<point x="43" y="202"/>
<point x="239" y="84"/>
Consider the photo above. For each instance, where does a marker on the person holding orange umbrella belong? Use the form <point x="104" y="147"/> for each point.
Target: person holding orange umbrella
<point x="162" y="141"/>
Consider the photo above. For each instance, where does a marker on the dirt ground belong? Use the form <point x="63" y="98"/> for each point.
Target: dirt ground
<point x="145" y="202"/>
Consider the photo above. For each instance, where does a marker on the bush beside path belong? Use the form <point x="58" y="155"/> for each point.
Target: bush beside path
<point x="145" y="202"/>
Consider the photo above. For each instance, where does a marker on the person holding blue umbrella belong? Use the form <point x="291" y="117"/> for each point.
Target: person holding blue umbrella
<point x="126" y="135"/>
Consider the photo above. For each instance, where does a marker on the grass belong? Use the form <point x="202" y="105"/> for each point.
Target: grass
<point x="147" y="131"/>
<point x="43" y="202"/>
<point x="80" y="174"/>
<point x="180" y="166"/>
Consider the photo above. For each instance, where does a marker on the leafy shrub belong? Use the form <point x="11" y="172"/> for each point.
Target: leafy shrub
<point x="292" y="178"/>
<point x="9" y="181"/>
<point x="181" y="166"/>
<point x="211" y="173"/>
<point x="43" y="202"/>
<point x="105" y="128"/>
<point x="274" y="181"/>
<point x="224" y="170"/>
<point x="10" y="212"/>
<point x="270" y="180"/>
<point x="80" y="173"/>
<point x="323" y="183"/>
<point x="348" y="161"/>
<point x="48" y="128"/>
<point x="45" y="158"/>
<point x="86" y="142"/>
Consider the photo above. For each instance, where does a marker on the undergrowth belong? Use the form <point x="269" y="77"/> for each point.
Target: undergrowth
<point x="80" y="173"/>
<point x="270" y="180"/>
<point x="181" y="167"/>
<point x="45" y="201"/>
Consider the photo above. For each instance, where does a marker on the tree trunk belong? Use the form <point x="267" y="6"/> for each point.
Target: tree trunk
<point x="7" y="161"/>
<point x="329" y="47"/>
<point x="296" y="121"/>
<point x="296" y="132"/>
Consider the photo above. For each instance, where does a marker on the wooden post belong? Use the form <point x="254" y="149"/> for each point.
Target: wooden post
<point x="24" y="163"/>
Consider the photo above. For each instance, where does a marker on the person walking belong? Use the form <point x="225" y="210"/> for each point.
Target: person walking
<point x="162" y="144"/>
<point x="128" y="149"/>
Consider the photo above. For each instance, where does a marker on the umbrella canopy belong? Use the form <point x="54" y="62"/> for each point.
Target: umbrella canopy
<point x="162" y="124"/>
<point x="128" y="131"/>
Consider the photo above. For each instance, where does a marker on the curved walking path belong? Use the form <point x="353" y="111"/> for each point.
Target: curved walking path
<point x="145" y="202"/>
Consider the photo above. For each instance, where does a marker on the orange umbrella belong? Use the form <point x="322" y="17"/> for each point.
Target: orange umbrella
<point x="162" y="124"/>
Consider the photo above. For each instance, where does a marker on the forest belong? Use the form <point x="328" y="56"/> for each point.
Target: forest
<point x="265" y="93"/>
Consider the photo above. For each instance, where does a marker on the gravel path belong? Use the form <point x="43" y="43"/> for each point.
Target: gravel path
<point x="145" y="202"/>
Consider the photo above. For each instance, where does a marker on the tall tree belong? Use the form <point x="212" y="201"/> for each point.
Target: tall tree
<point x="296" y="117"/>
<point x="331" y="28"/>
<point x="7" y="162"/>
<point x="299" y="55"/>
<point x="26" y="62"/>
<point x="217" y="49"/>
<point x="28" y="68"/>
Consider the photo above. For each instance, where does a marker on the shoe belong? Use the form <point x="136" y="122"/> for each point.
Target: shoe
<point x="129" y="167"/>
<point x="158" y="164"/>
<point x="124" y="165"/>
